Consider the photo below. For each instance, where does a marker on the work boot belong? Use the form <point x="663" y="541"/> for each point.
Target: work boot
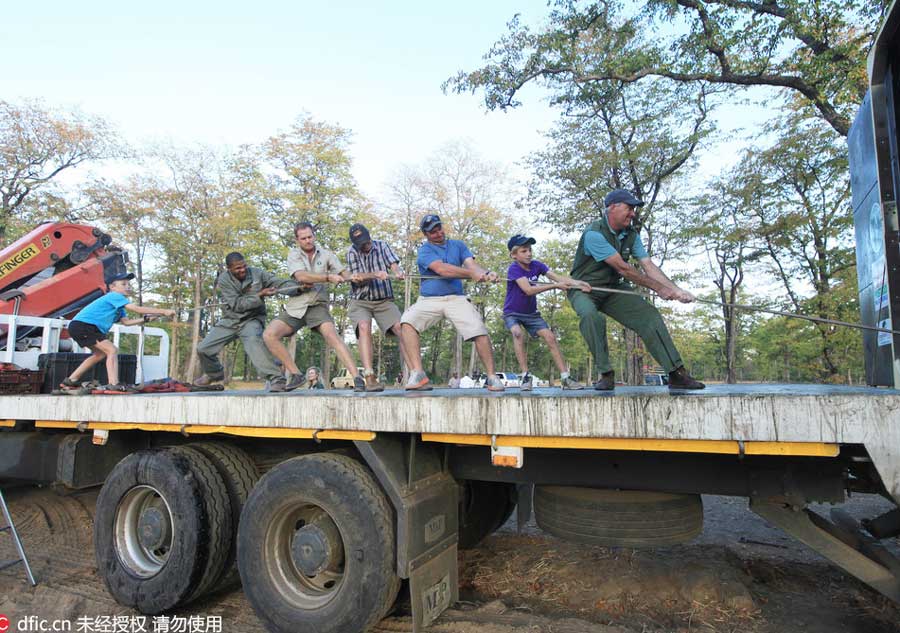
<point x="681" y="379"/>
<point x="527" y="381"/>
<point x="277" y="385"/>
<point x="359" y="383"/>
<point x="494" y="384"/>
<point x="570" y="384"/>
<point x="296" y="380"/>
<point x="205" y="380"/>
<point x="607" y="381"/>
<point x="372" y="383"/>
<point x="418" y="381"/>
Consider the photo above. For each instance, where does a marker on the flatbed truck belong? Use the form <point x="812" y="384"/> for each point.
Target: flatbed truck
<point x="322" y="503"/>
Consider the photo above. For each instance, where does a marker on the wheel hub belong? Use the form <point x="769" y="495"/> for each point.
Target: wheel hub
<point x="153" y="528"/>
<point x="316" y="546"/>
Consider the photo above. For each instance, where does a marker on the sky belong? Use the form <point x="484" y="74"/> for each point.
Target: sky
<point x="227" y="73"/>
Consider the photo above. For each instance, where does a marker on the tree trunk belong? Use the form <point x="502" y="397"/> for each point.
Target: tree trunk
<point x="634" y="355"/>
<point x="195" y="327"/>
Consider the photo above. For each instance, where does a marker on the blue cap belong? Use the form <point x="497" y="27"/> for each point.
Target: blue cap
<point x="519" y="240"/>
<point x="621" y="195"/>
<point x="121" y="276"/>
<point x="429" y="222"/>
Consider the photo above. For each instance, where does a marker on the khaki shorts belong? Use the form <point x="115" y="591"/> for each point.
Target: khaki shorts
<point x="385" y="313"/>
<point x="457" y="309"/>
<point x="316" y="315"/>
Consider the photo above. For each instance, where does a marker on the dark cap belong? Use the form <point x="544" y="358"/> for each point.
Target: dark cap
<point x="621" y="195"/>
<point x="429" y="222"/>
<point x="519" y="240"/>
<point x="359" y="234"/>
<point x="121" y="276"/>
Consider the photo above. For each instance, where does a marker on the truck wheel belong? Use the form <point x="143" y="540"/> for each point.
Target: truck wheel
<point x="239" y="473"/>
<point x="316" y="547"/>
<point x="618" y="518"/>
<point x="484" y="506"/>
<point x="159" y="529"/>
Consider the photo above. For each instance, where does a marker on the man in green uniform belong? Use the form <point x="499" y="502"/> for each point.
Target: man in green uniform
<point x="243" y="290"/>
<point x="602" y="261"/>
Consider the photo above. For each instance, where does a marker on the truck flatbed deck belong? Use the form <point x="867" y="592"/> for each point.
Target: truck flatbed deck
<point x="770" y="419"/>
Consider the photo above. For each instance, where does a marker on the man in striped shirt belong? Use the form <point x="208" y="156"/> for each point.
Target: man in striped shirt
<point x="371" y="295"/>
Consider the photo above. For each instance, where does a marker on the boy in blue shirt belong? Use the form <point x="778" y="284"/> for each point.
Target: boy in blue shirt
<point x="91" y="325"/>
<point x="520" y="313"/>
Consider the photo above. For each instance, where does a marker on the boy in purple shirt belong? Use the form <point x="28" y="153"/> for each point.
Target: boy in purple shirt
<point x="520" y="313"/>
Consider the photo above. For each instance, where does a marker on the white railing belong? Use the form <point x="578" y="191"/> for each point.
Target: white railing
<point x="149" y="366"/>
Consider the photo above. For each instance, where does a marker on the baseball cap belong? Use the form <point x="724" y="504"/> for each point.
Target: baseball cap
<point x="121" y="276"/>
<point x="359" y="234"/>
<point x="429" y="222"/>
<point x="519" y="240"/>
<point x="621" y="195"/>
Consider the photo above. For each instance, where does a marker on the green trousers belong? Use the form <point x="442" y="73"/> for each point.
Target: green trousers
<point x="250" y="333"/>
<point x="634" y="313"/>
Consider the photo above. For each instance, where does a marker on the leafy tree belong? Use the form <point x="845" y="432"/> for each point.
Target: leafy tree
<point x="812" y="52"/>
<point x="36" y="145"/>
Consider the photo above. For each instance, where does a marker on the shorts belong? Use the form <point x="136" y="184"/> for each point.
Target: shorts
<point x="457" y="309"/>
<point x="316" y="315"/>
<point x="384" y="312"/>
<point x="85" y="334"/>
<point x="533" y="322"/>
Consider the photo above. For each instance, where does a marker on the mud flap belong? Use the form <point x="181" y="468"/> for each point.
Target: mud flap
<point x="433" y="587"/>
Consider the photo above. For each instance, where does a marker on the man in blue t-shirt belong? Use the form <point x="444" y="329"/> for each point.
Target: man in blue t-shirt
<point x="91" y="325"/>
<point x="520" y="313"/>
<point x="443" y="264"/>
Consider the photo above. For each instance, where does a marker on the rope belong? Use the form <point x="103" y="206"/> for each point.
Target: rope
<point x="636" y="293"/>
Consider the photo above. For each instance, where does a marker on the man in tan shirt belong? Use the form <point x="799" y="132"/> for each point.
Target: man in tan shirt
<point x="313" y="268"/>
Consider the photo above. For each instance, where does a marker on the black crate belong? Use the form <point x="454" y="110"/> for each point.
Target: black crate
<point x="58" y="366"/>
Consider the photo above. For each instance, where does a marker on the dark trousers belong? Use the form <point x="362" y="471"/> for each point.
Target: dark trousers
<point x="634" y="313"/>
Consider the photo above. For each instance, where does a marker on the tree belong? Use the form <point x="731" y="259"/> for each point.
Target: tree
<point x="812" y="52"/>
<point x="36" y="145"/>
<point x="802" y="187"/>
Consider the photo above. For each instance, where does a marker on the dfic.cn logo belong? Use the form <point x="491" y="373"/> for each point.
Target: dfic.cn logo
<point x="4" y="623"/>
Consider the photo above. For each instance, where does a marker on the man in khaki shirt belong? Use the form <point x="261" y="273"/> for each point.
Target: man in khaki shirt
<point x="313" y="268"/>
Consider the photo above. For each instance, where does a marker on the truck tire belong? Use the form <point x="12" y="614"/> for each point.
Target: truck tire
<point x="239" y="473"/>
<point x="316" y="547"/>
<point x="618" y="518"/>
<point x="484" y="506"/>
<point x="159" y="528"/>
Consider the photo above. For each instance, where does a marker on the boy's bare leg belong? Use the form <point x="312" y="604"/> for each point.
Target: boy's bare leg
<point x="97" y="355"/>
<point x="485" y="353"/>
<point x="329" y="333"/>
<point x="550" y="338"/>
<point x="112" y="361"/>
<point x="272" y="335"/>
<point x="518" y="336"/>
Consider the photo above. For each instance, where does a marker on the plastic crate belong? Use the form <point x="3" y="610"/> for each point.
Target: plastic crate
<point x="15" y="380"/>
<point x="60" y="365"/>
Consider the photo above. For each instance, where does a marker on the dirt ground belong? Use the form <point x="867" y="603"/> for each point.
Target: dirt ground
<point x="739" y="575"/>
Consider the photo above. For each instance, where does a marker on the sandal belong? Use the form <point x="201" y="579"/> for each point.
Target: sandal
<point x="70" y="384"/>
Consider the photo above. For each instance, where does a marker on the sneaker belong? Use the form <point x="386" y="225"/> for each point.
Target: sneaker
<point x="494" y="384"/>
<point x="570" y="384"/>
<point x="372" y="383"/>
<point x="681" y="379"/>
<point x="607" y="382"/>
<point x="206" y="380"/>
<point x="277" y="385"/>
<point x="359" y="383"/>
<point x="527" y="382"/>
<point x="418" y="381"/>
<point x="296" y="380"/>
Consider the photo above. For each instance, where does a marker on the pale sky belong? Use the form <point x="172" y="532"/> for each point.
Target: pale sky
<point x="226" y="73"/>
